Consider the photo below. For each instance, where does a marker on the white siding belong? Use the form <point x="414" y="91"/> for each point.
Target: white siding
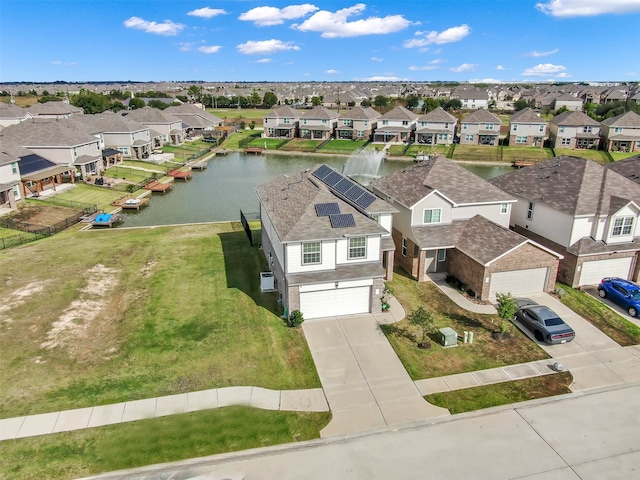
<point x="373" y="251"/>
<point x="551" y="224"/>
<point x="625" y="212"/>
<point x="582" y="227"/>
<point x="267" y="227"/>
<point x="432" y="201"/>
<point x="294" y="258"/>
<point x="386" y="221"/>
<point x="491" y="212"/>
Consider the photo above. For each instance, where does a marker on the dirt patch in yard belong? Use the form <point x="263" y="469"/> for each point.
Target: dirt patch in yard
<point x="45" y="215"/>
<point x="18" y="297"/>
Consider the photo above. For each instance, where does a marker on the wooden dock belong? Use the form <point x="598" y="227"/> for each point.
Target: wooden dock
<point x="161" y="187"/>
<point x="130" y="203"/>
<point x="201" y="165"/>
<point x="181" y="174"/>
<point x="222" y="152"/>
<point x="254" y="150"/>
<point x="106" y="220"/>
<point x="523" y="163"/>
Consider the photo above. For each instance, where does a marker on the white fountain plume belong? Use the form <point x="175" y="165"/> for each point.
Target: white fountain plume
<point x="364" y="163"/>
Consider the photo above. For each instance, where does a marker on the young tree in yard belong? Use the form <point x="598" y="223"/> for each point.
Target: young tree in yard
<point x="270" y="99"/>
<point x="254" y="99"/>
<point x="136" y="103"/>
<point x="412" y="101"/>
<point x="430" y="104"/>
<point x="425" y="321"/>
<point x="380" y="101"/>
<point x="506" y="306"/>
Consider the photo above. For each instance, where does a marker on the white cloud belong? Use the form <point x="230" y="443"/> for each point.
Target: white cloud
<point x="207" y="12"/>
<point x="380" y="78"/>
<point x="337" y="24"/>
<point x="167" y="28"/>
<point x="500" y="67"/>
<point x="485" y="80"/>
<point x="416" y="68"/>
<point x="376" y="59"/>
<point x="64" y="64"/>
<point x="537" y="54"/>
<point x="331" y="71"/>
<point x="265" y="47"/>
<point x="543" y="70"/>
<point x="264" y="60"/>
<point x="450" y="35"/>
<point x="587" y="8"/>
<point x="465" y="67"/>
<point x="437" y="61"/>
<point x="209" y="48"/>
<point x="267" y="16"/>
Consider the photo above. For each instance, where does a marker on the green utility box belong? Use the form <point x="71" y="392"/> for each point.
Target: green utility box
<point x="447" y="337"/>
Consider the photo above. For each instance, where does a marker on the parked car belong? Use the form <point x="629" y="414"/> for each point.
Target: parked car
<point x="621" y="291"/>
<point x="545" y="324"/>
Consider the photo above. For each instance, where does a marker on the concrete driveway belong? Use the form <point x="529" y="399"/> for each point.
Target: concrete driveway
<point x="593" y="358"/>
<point x="365" y="383"/>
<point x="593" y="291"/>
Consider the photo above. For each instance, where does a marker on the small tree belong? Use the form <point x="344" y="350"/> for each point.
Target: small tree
<point x="425" y="321"/>
<point x="506" y="306"/>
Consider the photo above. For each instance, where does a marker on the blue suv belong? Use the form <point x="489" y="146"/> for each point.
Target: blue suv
<point x="623" y="292"/>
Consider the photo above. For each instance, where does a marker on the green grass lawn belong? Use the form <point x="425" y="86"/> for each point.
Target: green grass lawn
<point x="345" y="147"/>
<point x="245" y="113"/>
<point x="396" y="150"/>
<point x="268" y="143"/>
<point x="477" y="153"/>
<point x="133" y="314"/>
<point x="145" y="165"/>
<point x="511" y="153"/>
<point x="436" y="361"/>
<point x="232" y="142"/>
<point x="100" y="196"/>
<point x="621" y="156"/>
<point x="129" y="174"/>
<point x="301" y="145"/>
<point x="135" y="444"/>
<point x="8" y="232"/>
<point x="596" y="155"/>
<point x="428" y="149"/>
<point x="609" y="322"/>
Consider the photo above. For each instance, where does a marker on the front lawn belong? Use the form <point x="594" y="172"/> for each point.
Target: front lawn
<point x="168" y="439"/>
<point x="113" y="315"/>
<point x="609" y="322"/>
<point x="437" y="361"/>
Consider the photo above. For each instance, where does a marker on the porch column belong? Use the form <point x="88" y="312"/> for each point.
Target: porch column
<point x="389" y="260"/>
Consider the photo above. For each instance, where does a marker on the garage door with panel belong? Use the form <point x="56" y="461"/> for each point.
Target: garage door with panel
<point x="596" y="270"/>
<point x="339" y="301"/>
<point x="519" y="282"/>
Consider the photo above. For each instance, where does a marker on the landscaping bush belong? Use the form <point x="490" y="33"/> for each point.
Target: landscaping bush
<point x="295" y="319"/>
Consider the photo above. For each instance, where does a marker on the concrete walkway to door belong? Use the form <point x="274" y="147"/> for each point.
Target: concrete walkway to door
<point x="366" y="385"/>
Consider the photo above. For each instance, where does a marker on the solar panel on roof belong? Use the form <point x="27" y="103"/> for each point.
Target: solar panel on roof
<point x="343" y="185"/>
<point x="326" y="209"/>
<point x="332" y="179"/>
<point x="354" y="193"/>
<point x="322" y="171"/>
<point x="365" y="200"/>
<point x="342" y="220"/>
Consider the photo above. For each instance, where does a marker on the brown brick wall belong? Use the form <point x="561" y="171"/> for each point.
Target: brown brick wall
<point x="528" y="256"/>
<point x="467" y="270"/>
<point x="410" y="262"/>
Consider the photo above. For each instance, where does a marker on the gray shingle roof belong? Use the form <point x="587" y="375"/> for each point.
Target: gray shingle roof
<point x="150" y="115"/>
<point x="38" y="132"/>
<point x="113" y="124"/>
<point x="527" y="116"/>
<point x="629" y="168"/>
<point x="574" y="119"/>
<point x="285" y="111"/>
<point x="361" y="113"/>
<point x="481" y="116"/>
<point x="572" y="185"/>
<point x="399" y="113"/>
<point x="484" y="241"/>
<point x="628" y="119"/>
<point x="320" y="113"/>
<point x="412" y="184"/>
<point x="438" y="115"/>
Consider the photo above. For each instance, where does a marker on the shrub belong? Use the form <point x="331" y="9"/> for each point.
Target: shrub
<point x="295" y="319"/>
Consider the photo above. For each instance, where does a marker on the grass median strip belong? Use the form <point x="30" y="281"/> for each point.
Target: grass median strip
<point x="135" y="444"/>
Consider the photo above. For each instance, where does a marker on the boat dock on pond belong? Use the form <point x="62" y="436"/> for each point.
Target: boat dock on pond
<point x="181" y="174"/>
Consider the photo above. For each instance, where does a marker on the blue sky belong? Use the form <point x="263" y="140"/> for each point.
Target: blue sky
<point x="337" y="40"/>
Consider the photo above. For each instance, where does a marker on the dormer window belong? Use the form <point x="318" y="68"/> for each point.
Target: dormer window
<point x="622" y="226"/>
<point x="432" y="215"/>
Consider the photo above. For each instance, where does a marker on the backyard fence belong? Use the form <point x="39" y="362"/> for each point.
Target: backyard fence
<point x="87" y="208"/>
<point x="44" y="230"/>
<point x="15" y="240"/>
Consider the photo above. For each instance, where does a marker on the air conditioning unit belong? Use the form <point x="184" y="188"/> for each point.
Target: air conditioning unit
<point x="267" y="282"/>
<point x="447" y="337"/>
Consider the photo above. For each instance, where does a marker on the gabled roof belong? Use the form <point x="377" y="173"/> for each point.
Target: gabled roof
<point x="320" y="113"/>
<point x="572" y="185"/>
<point x="456" y="183"/>
<point x="399" y="113"/>
<point x="285" y="111"/>
<point x="628" y="119"/>
<point x="438" y="115"/>
<point x="188" y="110"/>
<point x="481" y="116"/>
<point x="290" y="202"/>
<point x="527" y="116"/>
<point x="12" y="111"/>
<point x="53" y="108"/>
<point x="361" y="113"/>
<point x="113" y="124"/>
<point x="49" y="132"/>
<point x="574" y="119"/>
<point x="629" y="168"/>
<point x="150" y="115"/>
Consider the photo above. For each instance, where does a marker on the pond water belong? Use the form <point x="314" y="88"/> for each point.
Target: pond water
<point x="226" y="186"/>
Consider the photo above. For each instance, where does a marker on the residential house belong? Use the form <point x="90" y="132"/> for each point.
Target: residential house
<point x="480" y="128"/>
<point x="327" y="242"/>
<point x="472" y="99"/>
<point x="10" y="192"/>
<point x="622" y="133"/>
<point x="584" y="211"/>
<point x="358" y="123"/>
<point x="12" y="114"/>
<point x="168" y="127"/>
<point x="436" y="127"/>
<point x="197" y="122"/>
<point x="65" y="142"/>
<point x="450" y="220"/>
<point x="123" y="134"/>
<point x="281" y="122"/>
<point x="527" y="129"/>
<point x="54" y="110"/>
<point x="319" y="123"/>
<point x="574" y="130"/>
<point x="571" y="103"/>
<point x="396" y="126"/>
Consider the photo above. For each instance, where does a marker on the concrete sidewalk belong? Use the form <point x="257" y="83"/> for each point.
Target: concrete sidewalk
<point x="312" y="400"/>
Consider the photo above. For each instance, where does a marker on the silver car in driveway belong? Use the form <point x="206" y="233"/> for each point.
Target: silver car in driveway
<point x="546" y="325"/>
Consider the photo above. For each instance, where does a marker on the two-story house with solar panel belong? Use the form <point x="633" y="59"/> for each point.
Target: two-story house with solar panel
<point x="327" y="241"/>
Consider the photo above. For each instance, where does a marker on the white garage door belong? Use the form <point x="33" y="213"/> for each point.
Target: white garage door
<point x="593" y="272"/>
<point x="519" y="282"/>
<point x="330" y="303"/>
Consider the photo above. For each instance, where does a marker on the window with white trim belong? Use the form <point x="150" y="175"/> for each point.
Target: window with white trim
<point x="468" y="138"/>
<point x="622" y="226"/>
<point x="404" y="247"/>
<point x="357" y="247"/>
<point x="530" y="211"/>
<point x="586" y="129"/>
<point x="521" y="139"/>
<point x="514" y="127"/>
<point x="542" y="128"/>
<point x="617" y="130"/>
<point x="504" y="208"/>
<point x="385" y="122"/>
<point x="566" y="141"/>
<point x="442" y="255"/>
<point x="310" y="253"/>
<point x="365" y="123"/>
<point x="488" y="126"/>
<point x="286" y="120"/>
<point x="432" y="215"/>
<point x="14" y="168"/>
<point x="561" y="129"/>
